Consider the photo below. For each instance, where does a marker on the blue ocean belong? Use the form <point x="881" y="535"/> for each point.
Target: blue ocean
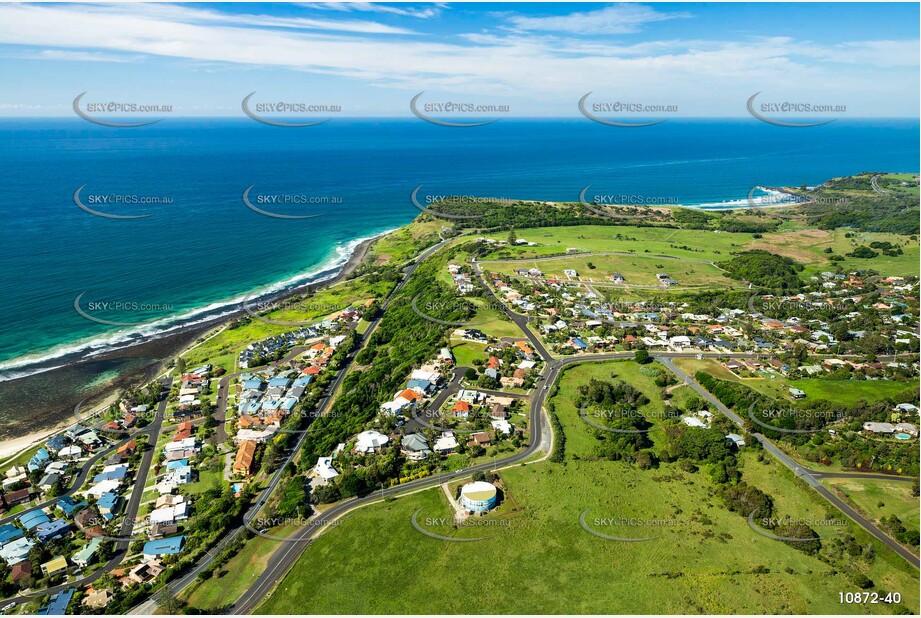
<point x="201" y="248"/>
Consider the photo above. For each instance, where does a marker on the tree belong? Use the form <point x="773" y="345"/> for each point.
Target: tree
<point x="512" y="237"/>
<point x="168" y="602"/>
<point x="642" y="357"/>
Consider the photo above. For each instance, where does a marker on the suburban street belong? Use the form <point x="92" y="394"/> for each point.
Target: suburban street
<point x="121" y="547"/>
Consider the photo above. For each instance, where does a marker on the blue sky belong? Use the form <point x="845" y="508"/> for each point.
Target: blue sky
<point x="538" y="59"/>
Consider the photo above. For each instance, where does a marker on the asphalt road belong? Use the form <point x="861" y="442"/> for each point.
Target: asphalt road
<point x="223" y="391"/>
<point x="121" y="547"/>
<point x="285" y="556"/>
<point x="809" y="476"/>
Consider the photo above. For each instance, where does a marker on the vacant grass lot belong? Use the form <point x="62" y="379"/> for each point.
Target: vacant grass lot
<point x="878" y="498"/>
<point x="707" y="560"/>
<point x="638" y="269"/>
<point x="231" y="580"/>
<point x="848" y="392"/>
<point x="699" y="244"/>
<point x="466" y="352"/>
<point x="802" y="244"/>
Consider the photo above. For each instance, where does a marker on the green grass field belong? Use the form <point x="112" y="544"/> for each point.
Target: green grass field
<point x="406" y="242"/>
<point x="804" y="245"/>
<point x="595" y="238"/>
<point x="639" y="269"/>
<point x="231" y="580"/>
<point x="878" y="498"/>
<point x="843" y="391"/>
<point x="466" y="352"/>
<point x="848" y="392"/>
<point x="543" y="561"/>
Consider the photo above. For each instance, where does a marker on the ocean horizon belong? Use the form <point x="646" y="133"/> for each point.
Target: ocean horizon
<point x="201" y="249"/>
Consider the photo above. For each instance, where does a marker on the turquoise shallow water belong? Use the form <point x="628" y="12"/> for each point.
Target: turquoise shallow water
<point x="205" y="249"/>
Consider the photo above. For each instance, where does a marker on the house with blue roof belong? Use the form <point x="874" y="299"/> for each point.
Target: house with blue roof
<point x="9" y="532"/>
<point x="179" y="463"/>
<point x="424" y="385"/>
<point x="289" y="404"/>
<point x="38" y="460"/>
<point x="249" y="408"/>
<point x="51" y="530"/>
<point x="16" y="551"/>
<point x="578" y="344"/>
<point x="279" y="382"/>
<point x="108" y="504"/>
<point x="112" y="473"/>
<point x="271" y="405"/>
<point x="56" y="443"/>
<point x="170" y="546"/>
<point x="32" y="519"/>
<point x="58" y="604"/>
<point x="303" y="381"/>
<point x="253" y="384"/>
<point x="69" y="506"/>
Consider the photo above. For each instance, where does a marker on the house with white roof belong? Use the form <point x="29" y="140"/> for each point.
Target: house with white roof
<point x="370" y="441"/>
<point x="502" y="426"/>
<point x="103" y="487"/>
<point x="446" y="443"/>
<point x="324" y="469"/>
<point x="170" y="514"/>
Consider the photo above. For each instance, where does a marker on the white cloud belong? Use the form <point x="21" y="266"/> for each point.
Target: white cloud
<point x="424" y="12"/>
<point x="614" y="19"/>
<point x="539" y="71"/>
<point x="188" y="14"/>
<point x="79" y="56"/>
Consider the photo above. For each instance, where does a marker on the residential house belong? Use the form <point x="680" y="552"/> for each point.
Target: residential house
<point x="169" y="546"/>
<point x="414" y="447"/>
<point x="243" y="464"/>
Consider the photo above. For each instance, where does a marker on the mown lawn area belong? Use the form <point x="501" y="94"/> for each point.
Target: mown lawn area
<point x="806" y="245"/>
<point x="694" y="244"/>
<point x="849" y="391"/>
<point x="701" y="558"/>
<point x="495" y="324"/>
<point x="208" y="478"/>
<point x="774" y="385"/>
